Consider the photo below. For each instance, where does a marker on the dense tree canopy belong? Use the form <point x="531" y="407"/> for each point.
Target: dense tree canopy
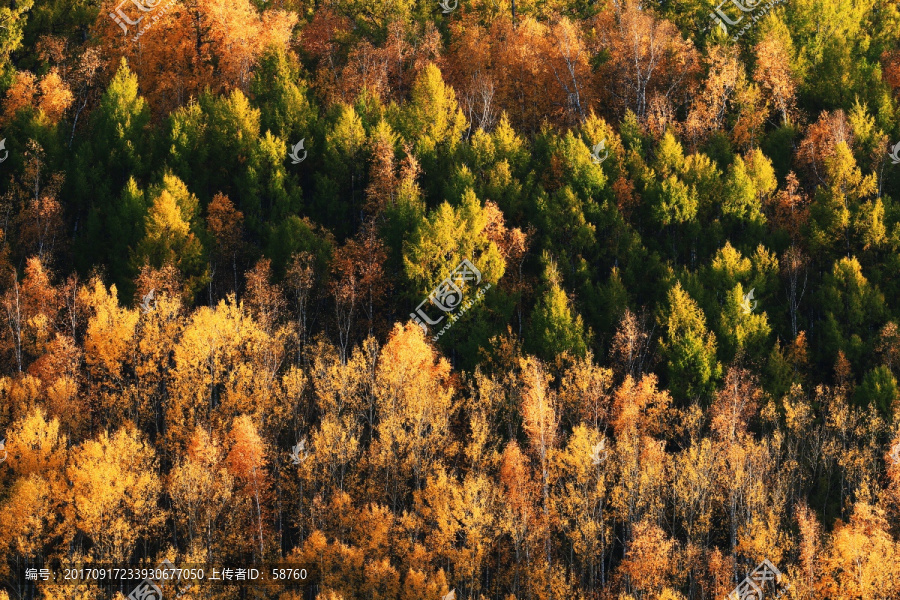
<point x="526" y="300"/>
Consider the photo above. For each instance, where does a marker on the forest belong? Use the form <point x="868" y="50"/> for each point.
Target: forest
<point x="452" y="299"/>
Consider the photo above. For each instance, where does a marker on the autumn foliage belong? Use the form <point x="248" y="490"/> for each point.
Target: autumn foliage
<point x="685" y="361"/>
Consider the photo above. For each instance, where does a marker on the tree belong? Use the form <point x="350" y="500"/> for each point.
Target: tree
<point x="301" y="279"/>
<point x="113" y="494"/>
<point x="630" y="349"/>
<point x="344" y="398"/>
<point x="339" y="183"/>
<point x="265" y="300"/>
<point x="359" y="279"/>
<point x="519" y="516"/>
<point x="651" y="561"/>
<point x="742" y="198"/>
<point x="648" y="57"/>
<point x="108" y="345"/>
<point x="853" y="307"/>
<point x="583" y="501"/>
<point x="11" y="38"/>
<point x="281" y="95"/>
<point x="38" y="225"/>
<point x="170" y="233"/>
<point x="555" y="326"/>
<point x="118" y="144"/>
<point x="414" y="404"/>
<point x="110" y="162"/>
<point x="28" y="517"/>
<point x="689" y="348"/>
<point x="197" y="45"/>
<point x="37" y="447"/>
<point x="863" y="546"/>
<point x="735" y="404"/>
<point x="226" y="224"/>
<point x="383" y="179"/>
<point x="246" y="462"/>
<point x="446" y="237"/>
<point x="879" y="389"/>
<point x="201" y="487"/>
<point x="540" y="420"/>
<point x="789" y="208"/>
<point x="225" y="365"/>
<point x="773" y="72"/>
<point x="724" y="82"/>
<point x="433" y="118"/>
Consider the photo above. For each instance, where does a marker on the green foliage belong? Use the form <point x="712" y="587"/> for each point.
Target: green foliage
<point x="446" y="237"/>
<point x="688" y="346"/>
<point x="879" y="389"/>
<point x="674" y="202"/>
<point x="118" y="143"/>
<point x="294" y="235"/>
<point x="172" y="232"/>
<point x="126" y="218"/>
<point x="340" y="181"/>
<point x="13" y="16"/>
<point x="853" y="307"/>
<point x="109" y="166"/>
<point x="432" y="119"/>
<point x="555" y="327"/>
<point x="533" y="450"/>
<point x="281" y="96"/>
<point x="741" y="200"/>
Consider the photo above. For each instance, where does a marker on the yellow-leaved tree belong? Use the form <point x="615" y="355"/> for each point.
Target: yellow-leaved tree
<point x="201" y="488"/>
<point x="113" y="494"/>
<point x="414" y="404"/>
